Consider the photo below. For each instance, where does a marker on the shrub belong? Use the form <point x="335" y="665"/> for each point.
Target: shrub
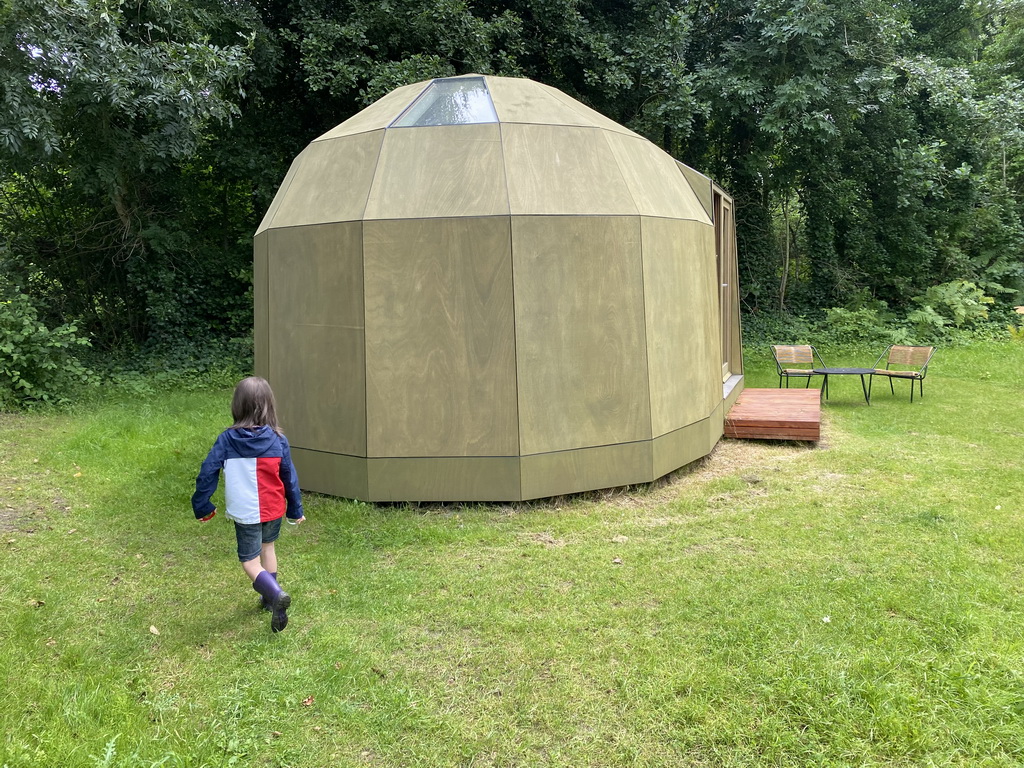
<point x="189" y="365"/>
<point x="1017" y="331"/>
<point x="37" y="364"/>
<point x="959" y="302"/>
<point x="761" y="329"/>
<point x="867" y="326"/>
<point x="927" y="323"/>
<point x="950" y="314"/>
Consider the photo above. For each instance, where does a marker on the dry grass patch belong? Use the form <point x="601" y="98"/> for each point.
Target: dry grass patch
<point x="545" y="539"/>
<point x="28" y="491"/>
<point x="749" y="459"/>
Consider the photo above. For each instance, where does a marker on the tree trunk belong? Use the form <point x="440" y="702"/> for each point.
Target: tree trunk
<point x="785" y="256"/>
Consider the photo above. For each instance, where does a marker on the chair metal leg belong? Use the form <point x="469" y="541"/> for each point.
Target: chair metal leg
<point x="920" y="385"/>
<point x="891" y="387"/>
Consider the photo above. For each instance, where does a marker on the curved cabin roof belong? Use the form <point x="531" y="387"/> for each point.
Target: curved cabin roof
<point x="477" y="146"/>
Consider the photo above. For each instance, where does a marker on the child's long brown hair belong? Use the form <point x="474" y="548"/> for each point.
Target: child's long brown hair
<point x="253" y="405"/>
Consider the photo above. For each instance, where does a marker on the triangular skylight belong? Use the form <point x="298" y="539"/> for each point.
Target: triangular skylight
<point x="450" y="101"/>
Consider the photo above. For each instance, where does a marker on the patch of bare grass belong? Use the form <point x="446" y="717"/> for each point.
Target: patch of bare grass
<point x="28" y="492"/>
<point x="750" y="459"/>
<point x="545" y="539"/>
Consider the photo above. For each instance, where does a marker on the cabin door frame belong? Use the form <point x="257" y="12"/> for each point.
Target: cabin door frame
<point x="728" y="282"/>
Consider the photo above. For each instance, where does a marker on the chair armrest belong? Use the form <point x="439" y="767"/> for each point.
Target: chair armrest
<point x="881" y="357"/>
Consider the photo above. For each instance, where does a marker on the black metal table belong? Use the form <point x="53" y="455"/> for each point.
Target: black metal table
<point x="862" y="372"/>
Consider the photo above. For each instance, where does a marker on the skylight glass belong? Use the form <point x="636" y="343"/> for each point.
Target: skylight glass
<point x="450" y="101"/>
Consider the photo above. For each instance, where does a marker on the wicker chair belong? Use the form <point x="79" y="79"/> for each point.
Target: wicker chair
<point x="796" y="362"/>
<point x="903" y="362"/>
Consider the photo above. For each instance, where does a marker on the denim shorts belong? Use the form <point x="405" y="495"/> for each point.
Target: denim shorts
<point x="251" y="537"/>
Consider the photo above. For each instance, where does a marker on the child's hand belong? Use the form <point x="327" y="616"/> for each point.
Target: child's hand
<point x="300" y="520"/>
<point x="208" y="517"/>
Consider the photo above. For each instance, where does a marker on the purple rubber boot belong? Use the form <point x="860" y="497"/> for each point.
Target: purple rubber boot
<point x="264" y="605"/>
<point x="276" y="598"/>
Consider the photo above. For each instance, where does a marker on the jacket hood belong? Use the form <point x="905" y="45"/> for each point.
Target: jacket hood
<point x="252" y="442"/>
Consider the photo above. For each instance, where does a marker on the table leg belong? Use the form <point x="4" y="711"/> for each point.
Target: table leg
<point x="867" y="397"/>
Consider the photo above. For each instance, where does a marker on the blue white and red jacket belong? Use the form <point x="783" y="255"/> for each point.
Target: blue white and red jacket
<point x="260" y="483"/>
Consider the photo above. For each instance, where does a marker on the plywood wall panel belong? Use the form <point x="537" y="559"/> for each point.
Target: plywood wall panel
<point x="679" y="448"/>
<point x="683" y="342"/>
<point x="282" y="193"/>
<point x="586" y="469"/>
<point x="439" y="338"/>
<point x="378" y="115"/>
<point x="716" y="425"/>
<point x="316" y="336"/>
<point x="591" y="116"/>
<point x="654" y="182"/>
<point x="331" y="181"/>
<point x="558" y="170"/>
<point x="468" y="478"/>
<point x="331" y="473"/>
<point x="580" y="339"/>
<point x="701" y="186"/>
<point x="523" y="101"/>
<point x="439" y="171"/>
<point x="261" y="305"/>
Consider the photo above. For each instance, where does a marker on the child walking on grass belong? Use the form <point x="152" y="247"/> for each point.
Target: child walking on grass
<point x="260" y="487"/>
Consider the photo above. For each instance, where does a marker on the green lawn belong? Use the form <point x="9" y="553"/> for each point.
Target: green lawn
<point x="859" y="603"/>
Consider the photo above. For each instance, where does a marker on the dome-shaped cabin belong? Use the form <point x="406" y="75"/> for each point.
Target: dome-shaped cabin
<point x="479" y="289"/>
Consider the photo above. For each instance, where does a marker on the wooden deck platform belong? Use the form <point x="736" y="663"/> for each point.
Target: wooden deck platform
<point x="775" y="414"/>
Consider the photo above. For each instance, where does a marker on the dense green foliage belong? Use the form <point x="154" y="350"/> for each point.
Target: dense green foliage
<point x="951" y="314"/>
<point x="36" y="363"/>
<point x="875" y="150"/>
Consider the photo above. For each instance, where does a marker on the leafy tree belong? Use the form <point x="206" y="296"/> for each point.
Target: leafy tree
<point x="847" y="110"/>
<point x="102" y="102"/>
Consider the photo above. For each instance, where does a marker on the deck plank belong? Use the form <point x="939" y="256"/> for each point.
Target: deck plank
<point x="775" y="414"/>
